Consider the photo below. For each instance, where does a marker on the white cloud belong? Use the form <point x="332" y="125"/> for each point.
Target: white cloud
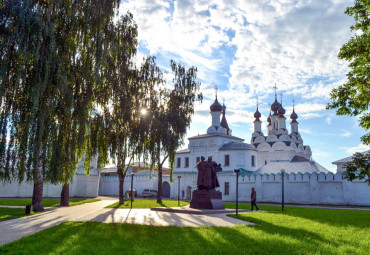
<point x="328" y="120"/>
<point x="305" y="130"/>
<point x="359" y="148"/>
<point x="345" y="133"/>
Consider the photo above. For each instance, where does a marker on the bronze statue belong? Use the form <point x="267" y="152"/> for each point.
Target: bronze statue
<point x="207" y="178"/>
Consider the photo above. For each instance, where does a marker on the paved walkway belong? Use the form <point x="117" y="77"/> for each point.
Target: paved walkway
<point x="15" y="229"/>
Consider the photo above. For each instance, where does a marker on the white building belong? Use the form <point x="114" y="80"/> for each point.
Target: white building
<point x="261" y="163"/>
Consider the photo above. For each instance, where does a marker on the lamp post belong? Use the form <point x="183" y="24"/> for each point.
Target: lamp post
<point x="237" y="171"/>
<point x="178" y="192"/>
<point x="132" y="187"/>
<point x="282" y="189"/>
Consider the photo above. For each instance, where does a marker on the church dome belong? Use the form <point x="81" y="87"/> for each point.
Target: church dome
<point x="216" y="106"/>
<point x="269" y="118"/>
<point x="281" y="111"/>
<point x="294" y="116"/>
<point x="275" y="106"/>
<point x="257" y="114"/>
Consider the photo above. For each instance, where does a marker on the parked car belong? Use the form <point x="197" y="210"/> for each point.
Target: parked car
<point x="149" y="193"/>
<point x="128" y="193"/>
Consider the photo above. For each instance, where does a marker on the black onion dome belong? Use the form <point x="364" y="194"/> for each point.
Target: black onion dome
<point x="257" y="114"/>
<point x="281" y="111"/>
<point x="223" y="107"/>
<point x="269" y="118"/>
<point x="216" y="107"/>
<point x="275" y="106"/>
<point x="293" y="116"/>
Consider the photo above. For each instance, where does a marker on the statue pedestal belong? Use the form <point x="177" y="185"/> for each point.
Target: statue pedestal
<point x="207" y="199"/>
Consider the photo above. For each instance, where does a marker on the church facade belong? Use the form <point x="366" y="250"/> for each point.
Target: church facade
<point x="278" y="149"/>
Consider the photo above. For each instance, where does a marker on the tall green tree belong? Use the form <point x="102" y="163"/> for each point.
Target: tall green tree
<point x="126" y="92"/>
<point x="353" y="97"/>
<point x="51" y="53"/>
<point x="171" y="112"/>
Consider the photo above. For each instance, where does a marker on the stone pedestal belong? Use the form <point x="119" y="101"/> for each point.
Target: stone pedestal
<point x="207" y="199"/>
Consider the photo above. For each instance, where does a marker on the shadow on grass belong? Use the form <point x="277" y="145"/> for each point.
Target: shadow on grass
<point x="98" y="238"/>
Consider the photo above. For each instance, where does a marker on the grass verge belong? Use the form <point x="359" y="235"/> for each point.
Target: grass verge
<point x="46" y="202"/>
<point x="294" y="231"/>
<point x="12" y="213"/>
<point x="147" y="203"/>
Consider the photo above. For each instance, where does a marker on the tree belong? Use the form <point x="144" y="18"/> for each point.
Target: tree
<point x="50" y="52"/>
<point x="124" y="95"/>
<point x="171" y="112"/>
<point x="353" y="97"/>
<point x="359" y="168"/>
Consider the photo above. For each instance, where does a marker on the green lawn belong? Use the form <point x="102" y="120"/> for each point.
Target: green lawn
<point x="296" y="231"/>
<point x="11" y="213"/>
<point x="45" y="202"/>
<point x="248" y="207"/>
<point x="147" y="203"/>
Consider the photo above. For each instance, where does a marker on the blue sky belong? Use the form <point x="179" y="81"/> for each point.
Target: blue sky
<point x="244" y="48"/>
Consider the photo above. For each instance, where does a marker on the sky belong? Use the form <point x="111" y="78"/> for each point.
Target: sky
<point x="244" y="47"/>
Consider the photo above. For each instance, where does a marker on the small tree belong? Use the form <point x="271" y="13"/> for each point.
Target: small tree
<point x="359" y="168"/>
<point x="353" y="97"/>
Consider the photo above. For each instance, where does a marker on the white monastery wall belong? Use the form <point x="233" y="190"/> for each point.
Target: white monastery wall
<point x="298" y="188"/>
<point x="109" y="184"/>
<point x="81" y="186"/>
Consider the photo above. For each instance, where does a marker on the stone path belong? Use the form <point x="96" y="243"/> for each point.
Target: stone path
<point x="15" y="229"/>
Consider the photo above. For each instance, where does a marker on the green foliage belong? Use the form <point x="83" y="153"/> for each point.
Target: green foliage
<point x="51" y="53"/>
<point x="359" y="168"/>
<point x="170" y="116"/>
<point x="295" y="231"/>
<point x="147" y="203"/>
<point x="353" y="97"/>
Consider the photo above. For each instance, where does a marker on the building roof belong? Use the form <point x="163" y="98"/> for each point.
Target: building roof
<point x="183" y="151"/>
<point x="216" y="134"/>
<point x="292" y="167"/>
<point x="348" y="159"/>
<point x="237" y="146"/>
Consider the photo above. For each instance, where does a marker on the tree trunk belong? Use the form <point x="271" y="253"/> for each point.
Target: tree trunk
<point x="159" y="194"/>
<point x="121" y="179"/>
<point x="37" y="196"/>
<point x="64" y="196"/>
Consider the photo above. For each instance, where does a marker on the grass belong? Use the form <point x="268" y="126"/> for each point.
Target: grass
<point x="147" y="203"/>
<point x="12" y="213"/>
<point x="294" y="231"/>
<point x="248" y="207"/>
<point x="45" y="202"/>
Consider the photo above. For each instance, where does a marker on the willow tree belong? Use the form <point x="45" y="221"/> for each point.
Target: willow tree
<point x="51" y="52"/>
<point x="171" y="115"/>
<point x="125" y="92"/>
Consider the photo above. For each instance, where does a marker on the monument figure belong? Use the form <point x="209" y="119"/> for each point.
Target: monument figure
<point x="204" y="180"/>
<point x="205" y="196"/>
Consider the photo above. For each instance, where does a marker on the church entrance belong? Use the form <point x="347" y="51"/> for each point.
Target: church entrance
<point x="166" y="189"/>
<point x="188" y="193"/>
